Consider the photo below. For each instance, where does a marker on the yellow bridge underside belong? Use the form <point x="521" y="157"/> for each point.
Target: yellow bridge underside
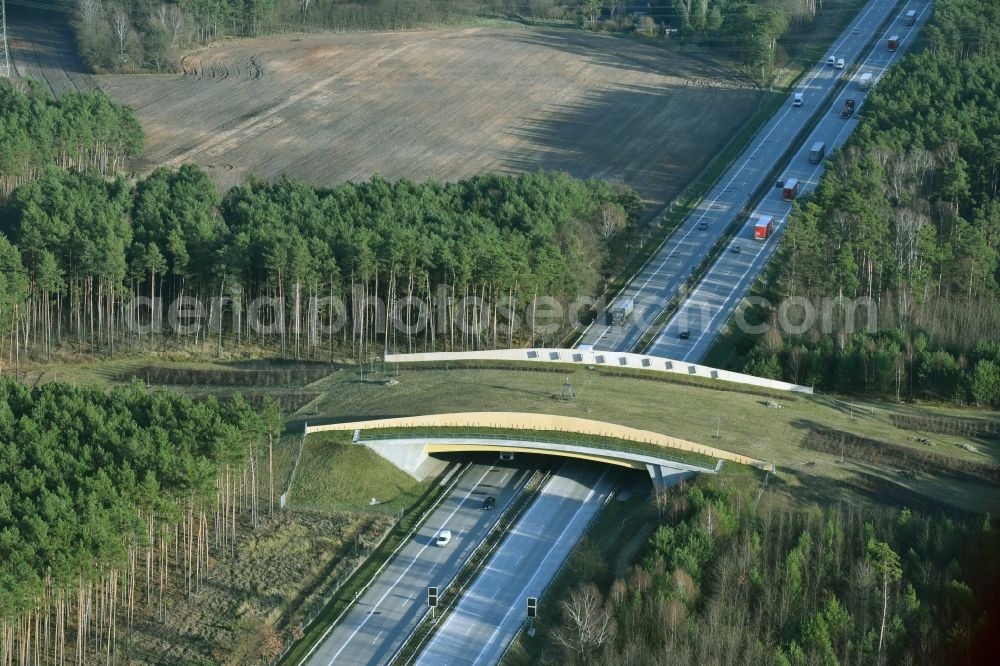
<point x="456" y="448"/>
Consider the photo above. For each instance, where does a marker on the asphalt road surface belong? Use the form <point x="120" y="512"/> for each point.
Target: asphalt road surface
<point x="709" y="306"/>
<point x="43" y="48"/>
<point x="388" y="612"/>
<point x="659" y="280"/>
<point x="490" y="612"/>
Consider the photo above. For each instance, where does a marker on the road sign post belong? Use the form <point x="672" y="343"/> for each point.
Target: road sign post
<point x="532" y="614"/>
<point x="432" y="599"/>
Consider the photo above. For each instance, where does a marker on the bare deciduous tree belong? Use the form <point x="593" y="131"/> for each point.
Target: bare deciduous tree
<point x="709" y="520"/>
<point x="88" y="10"/>
<point x="612" y="220"/>
<point x="587" y="622"/>
<point x="121" y="28"/>
<point x="177" y="25"/>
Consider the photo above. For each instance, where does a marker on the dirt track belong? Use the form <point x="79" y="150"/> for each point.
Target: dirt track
<point x="439" y="104"/>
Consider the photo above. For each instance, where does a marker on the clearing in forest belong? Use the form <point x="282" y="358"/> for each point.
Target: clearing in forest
<point x="442" y="104"/>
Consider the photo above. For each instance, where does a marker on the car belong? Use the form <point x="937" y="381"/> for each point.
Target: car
<point x="443" y="538"/>
<point x="736" y="249"/>
<point x="780" y="182"/>
<point x="684" y="335"/>
<point x="702" y="226"/>
<point x="506" y="457"/>
<point x="831" y="61"/>
<point x="856" y="31"/>
<point x="489" y="503"/>
<point x="840" y="63"/>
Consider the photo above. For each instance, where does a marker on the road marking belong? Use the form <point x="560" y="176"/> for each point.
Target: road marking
<point x="749" y="159"/>
<point x="821" y="69"/>
<point x="408" y="567"/>
<point x="811" y="179"/>
<point x="375" y="640"/>
<point x="569" y="523"/>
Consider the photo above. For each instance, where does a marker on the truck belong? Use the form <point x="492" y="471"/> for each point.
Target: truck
<point x="621" y="313"/>
<point x="763" y="227"/>
<point x="910" y="17"/>
<point x="848" y="109"/>
<point x="817" y="152"/>
<point x="893" y="43"/>
<point x="865" y="82"/>
<point x="790" y="190"/>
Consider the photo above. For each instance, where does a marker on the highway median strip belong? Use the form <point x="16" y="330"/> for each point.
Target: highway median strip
<point x="318" y="628"/>
<point x="653" y="332"/>
<point x="450" y="595"/>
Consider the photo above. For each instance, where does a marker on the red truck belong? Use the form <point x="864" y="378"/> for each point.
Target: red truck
<point x="893" y="43"/>
<point x="763" y="227"/>
<point x="790" y="189"/>
<point x="848" y="110"/>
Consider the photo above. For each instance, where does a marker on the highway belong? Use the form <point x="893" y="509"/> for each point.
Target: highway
<point x="389" y="610"/>
<point x="660" y="279"/>
<point x="710" y="305"/>
<point x="487" y="618"/>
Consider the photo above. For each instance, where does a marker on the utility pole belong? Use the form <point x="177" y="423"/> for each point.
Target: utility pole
<point x="5" y="68"/>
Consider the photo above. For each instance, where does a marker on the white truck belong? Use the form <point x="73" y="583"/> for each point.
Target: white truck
<point x="865" y="82"/>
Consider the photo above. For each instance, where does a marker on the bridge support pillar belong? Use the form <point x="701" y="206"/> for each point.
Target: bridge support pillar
<point x="665" y="477"/>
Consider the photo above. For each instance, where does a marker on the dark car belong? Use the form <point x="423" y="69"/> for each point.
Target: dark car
<point x="685" y="335"/>
<point x="489" y="503"/>
<point x="703" y="225"/>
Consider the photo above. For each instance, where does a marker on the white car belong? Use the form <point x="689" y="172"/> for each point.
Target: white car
<point x="443" y="538"/>
<point x="831" y="61"/>
<point x="840" y="63"/>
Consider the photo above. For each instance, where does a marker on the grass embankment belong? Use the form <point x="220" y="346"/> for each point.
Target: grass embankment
<point x="334" y="475"/>
<point x="337" y="474"/>
<point x="718" y="414"/>
<point x="737" y="421"/>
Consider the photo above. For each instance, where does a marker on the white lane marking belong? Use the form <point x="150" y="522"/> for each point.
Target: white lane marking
<point x="569" y="523"/>
<point x="812" y="179"/>
<point x="408" y="567"/>
<point x="375" y="640"/>
<point x="821" y="69"/>
<point x="816" y="72"/>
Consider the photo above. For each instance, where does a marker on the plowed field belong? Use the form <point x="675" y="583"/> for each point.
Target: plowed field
<point x="440" y="104"/>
